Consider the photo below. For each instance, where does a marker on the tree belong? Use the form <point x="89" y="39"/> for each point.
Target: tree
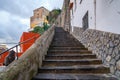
<point x="53" y="15"/>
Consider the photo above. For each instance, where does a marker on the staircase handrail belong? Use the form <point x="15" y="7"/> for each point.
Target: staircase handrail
<point x="16" y="46"/>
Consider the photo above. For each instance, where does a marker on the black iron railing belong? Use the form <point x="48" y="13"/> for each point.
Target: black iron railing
<point x="19" y="45"/>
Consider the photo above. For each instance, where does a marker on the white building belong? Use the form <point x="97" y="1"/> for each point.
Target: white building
<point x="96" y="24"/>
<point x="101" y="15"/>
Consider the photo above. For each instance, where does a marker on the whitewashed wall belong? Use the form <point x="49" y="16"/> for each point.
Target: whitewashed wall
<point x="107" y="14"/>
<point x="86" y="5"/>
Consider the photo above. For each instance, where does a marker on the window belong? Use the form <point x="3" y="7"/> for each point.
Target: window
<point x="38" y="15"/>
<point x="81" y="1"/>
<point x="85" y="22"/>
<point x="37" y="19"/>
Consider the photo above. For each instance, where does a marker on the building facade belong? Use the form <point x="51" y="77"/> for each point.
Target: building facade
<point x="65" y="16"/>
<point x="96" y="23"/>
<point x="39" y="17"/>
<point x="101" y="15"/>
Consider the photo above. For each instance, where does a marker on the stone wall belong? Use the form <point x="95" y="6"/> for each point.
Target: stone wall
<point x="27" y="65"/>
<point x="65" y="16"/>
<point x="104" y="44"/>
<point x="58" y="22"/>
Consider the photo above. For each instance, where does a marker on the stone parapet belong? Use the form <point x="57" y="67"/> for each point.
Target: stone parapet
<point x="105" y="45"/>
<point x="27" y="65"/>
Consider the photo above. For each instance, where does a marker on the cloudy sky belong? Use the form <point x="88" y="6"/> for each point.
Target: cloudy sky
<point x="14" y="16"/>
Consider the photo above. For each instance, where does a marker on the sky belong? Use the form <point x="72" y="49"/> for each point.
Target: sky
<point x="15" y="16"/>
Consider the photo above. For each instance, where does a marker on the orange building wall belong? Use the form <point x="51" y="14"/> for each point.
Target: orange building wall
<point x="2" y="58"/>
<point x="27" y="36"/>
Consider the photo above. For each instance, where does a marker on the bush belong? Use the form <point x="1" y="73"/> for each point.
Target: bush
<point x="46" y="26"/>
<point x="53" y="15"/>
<point x="38" y="29"/>
<point x="41" y="30"/>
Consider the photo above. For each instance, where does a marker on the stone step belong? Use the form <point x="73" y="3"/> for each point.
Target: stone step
<point x="65" y="39"/>
<point x="62" y="55"/>
<point x="68" y="48"/>
<point x="76" y="69"/>
<point x="63" y="76"/>
<point x="71" y="62"/>
<point x="69" y="51"/>
<point x="67" y="54"/>
<point x="59" y="33"/>
<point x="65" y="44"/>
<point x="71" y="57"/>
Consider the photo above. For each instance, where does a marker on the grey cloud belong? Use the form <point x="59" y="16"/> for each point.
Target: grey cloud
<point x="11" y="32"/>
<point x="2" y="35"/>
<point x="16" y="30"/>
<point x="22" y="8"/>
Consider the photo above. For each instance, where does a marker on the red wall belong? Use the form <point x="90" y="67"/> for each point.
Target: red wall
<point x="2" y="58"/>
<point x="30" y="37"/>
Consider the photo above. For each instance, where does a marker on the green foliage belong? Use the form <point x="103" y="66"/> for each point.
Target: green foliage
<point x="38" y="29"/>
<point x="41" y="30"/>
<point x="53" y="15"/>
<point x="46" y="26"/>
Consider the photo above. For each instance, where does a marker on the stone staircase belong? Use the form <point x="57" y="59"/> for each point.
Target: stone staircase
<point x="67" y="59"/>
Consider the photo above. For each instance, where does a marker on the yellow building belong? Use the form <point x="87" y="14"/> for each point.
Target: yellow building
<point x="39" y="17"/>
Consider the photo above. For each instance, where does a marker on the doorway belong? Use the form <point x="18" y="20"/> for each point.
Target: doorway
<point x="85" y="22"/>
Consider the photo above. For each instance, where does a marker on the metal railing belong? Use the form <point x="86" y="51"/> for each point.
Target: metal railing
<point x="19" y="44"/>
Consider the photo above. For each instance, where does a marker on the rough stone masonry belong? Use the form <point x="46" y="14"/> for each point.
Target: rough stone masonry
<point x="105" y="45"/>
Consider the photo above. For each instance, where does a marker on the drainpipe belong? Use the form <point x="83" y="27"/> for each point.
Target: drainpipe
<point x="95" y="12"/>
